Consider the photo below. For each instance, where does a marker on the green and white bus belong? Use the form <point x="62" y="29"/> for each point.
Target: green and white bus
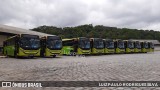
<point x="24" y="45"/>
<point x="97" y="46"/>
<point x="51" y="46"/>
<point x="76" y="46"/>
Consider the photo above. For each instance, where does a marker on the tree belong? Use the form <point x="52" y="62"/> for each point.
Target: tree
<point x="99" y="31"/>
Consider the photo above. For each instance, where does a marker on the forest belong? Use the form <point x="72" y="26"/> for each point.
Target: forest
<point x="99" y="31"/>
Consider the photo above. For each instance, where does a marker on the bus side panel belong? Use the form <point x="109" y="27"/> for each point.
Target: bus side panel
<point x="10" y="50"/>
<point x="66" y="50"/>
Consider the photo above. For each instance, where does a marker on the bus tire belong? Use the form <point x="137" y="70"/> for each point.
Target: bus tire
<point x="31" y="57"/>
<point x="72" y="53"/>
<point x="54" y="56"/>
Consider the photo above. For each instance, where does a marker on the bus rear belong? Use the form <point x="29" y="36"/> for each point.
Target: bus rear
<point x="109" y="46"/>
<point x="51" y="46"/>
<point x="97" y="46"/>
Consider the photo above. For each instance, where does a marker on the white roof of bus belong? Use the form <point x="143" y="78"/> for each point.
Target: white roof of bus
<point x="66" y="39"/>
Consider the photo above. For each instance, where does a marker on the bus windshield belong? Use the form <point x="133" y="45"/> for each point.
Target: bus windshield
<point x="30" y="42"/>
<point x="98" y="44"/>
<point x="84" y="43"/>
<point x="109" y="44"/>
<point x="54" y="43"/>
<point x="121" y="44"/>
<point x="130" y="45"/>
<point x="145" y="45"/>
<point x="138" y="45"/>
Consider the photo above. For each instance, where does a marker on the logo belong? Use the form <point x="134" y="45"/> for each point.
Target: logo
<point x="6" y="84"/>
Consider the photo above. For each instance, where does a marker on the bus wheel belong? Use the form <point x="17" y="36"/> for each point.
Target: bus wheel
<point x="54" y="56"/>
<point x="31" y="57"/>
<point x="72" y="53"/>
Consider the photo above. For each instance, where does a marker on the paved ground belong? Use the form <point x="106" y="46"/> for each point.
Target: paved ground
<point x="119" y="67"/>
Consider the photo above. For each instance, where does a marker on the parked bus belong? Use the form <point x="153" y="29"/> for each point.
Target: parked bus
<point x="51" y="46"/>
<point x="97" y="46"/>
<point x="119" y="46"/>
<point x="25" y="45"/>
<point x="145" y="47"/>
<point x="109" y="46"/>
<point x="151" y="46"/>
<point x="137" y="48"/>
<point x="129" y="46"/>
<point x="74" y="46"/>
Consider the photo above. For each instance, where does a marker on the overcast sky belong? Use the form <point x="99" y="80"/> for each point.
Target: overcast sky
<point x="27" y="14"/>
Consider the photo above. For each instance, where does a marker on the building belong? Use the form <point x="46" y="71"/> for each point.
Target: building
<point x="7" y="31"/>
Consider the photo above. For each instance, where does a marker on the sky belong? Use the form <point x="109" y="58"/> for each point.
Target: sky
<point x="28" y="14"/>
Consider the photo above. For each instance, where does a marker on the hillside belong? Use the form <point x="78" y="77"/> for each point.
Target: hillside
<point x="101" y="31"/>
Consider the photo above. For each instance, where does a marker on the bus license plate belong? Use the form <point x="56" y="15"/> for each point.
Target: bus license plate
<point x="31" y="55"/>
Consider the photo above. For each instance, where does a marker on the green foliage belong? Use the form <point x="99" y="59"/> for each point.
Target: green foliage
<point x="101" y="31"/>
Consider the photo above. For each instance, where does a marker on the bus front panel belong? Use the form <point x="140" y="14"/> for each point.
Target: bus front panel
<point x="129" y="46"/>
<point x="83" y="46"/>
<point x="137" y="48"/>
<point x="97" y="46"/>
<point x="53" y="46"/>
<point x="109" y="47"/>
<point x="120" y="48"/>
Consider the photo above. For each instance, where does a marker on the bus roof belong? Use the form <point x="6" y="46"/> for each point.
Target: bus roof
<point x="11" y="37"/>
<point x="67" y="39"/>
<point x="96" y="38"/>
<point x="108" y="39"/>
<point x="18" y="35"/>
